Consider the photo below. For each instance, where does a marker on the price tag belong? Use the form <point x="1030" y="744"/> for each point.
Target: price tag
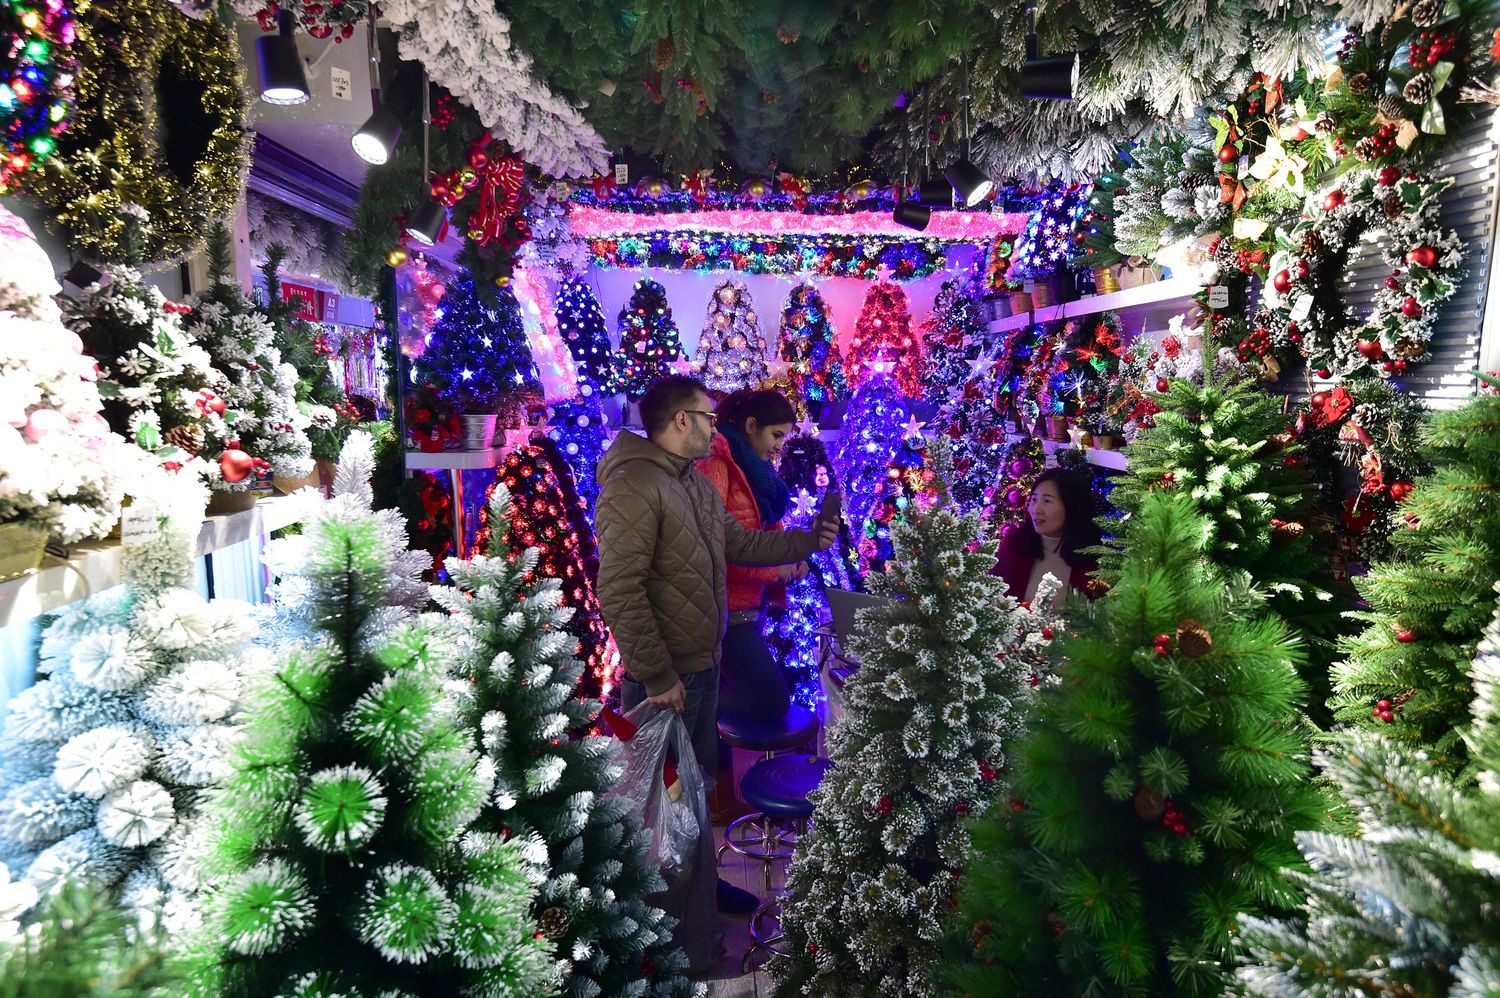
<point x="1218" y="297"/>
<point x="1301" y="308"/>
<point x="139" y="524"/>
<point x="622" y="173"/>
<point x="343" y="83"/>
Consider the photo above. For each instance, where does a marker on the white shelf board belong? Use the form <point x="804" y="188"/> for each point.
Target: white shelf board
<point x="1154" y="302"/>
<point x="454" y="460"/>
<point x="1112" y="459"/>
<point x="96" y="566"/>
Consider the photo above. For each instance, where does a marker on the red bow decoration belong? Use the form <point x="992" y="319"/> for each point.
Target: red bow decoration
<point x="1232" y="192"/>
<point x="603" y="184"/>
<point x="500" y="182"/>
<point x="1171" y="346"/>
<point x="796" y="186"/>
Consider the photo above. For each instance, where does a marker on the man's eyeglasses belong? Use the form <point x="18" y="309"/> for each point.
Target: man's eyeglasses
<point x="713" y="417"/>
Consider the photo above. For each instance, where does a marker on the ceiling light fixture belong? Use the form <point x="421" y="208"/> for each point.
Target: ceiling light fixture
<point x="376" y="139"/>
<point x="1053" y="77"/>
<point x="970" y="185"/>
<point x="430" y="223"/>
<point x="911" y="214"/>
<point x="283" y="81"/>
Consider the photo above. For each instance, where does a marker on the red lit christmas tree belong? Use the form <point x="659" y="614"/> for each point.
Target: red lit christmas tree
<point x="884" y="340"/>
<point x="648" y="339"/>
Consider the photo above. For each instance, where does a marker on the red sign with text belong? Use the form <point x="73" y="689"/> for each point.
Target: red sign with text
<point x="313" y="305"/>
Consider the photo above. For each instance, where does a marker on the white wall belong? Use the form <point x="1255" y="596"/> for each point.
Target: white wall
<point x="688" y="293"/>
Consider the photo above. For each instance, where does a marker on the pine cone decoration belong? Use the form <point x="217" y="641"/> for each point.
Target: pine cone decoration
<point x="1193" y="181"/>
<point x="1391" y="106"/>
<point x="1418" y="89"/>
<point x="1359" y="84"/>
<point x="188" y="437"/>
<point x="1426" y="13"/>
<point x="554" y="923"/>
<point x="1149" y="804"/>
<point x="1326" y="122"/>
<point x="1409" y="347"/>
<point x="666" y="51"/>
<point x="1366" y="149"/>
<point x="1225" y="254"/>
<point x="1312" y="243"/>
<point x="1393" y="207"/>
<point x="1193" y="639"/>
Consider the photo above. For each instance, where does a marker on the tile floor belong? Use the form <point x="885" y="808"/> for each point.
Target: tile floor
<point x="727" y="981"/>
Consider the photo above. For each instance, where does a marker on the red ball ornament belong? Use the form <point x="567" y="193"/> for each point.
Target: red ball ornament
<point x="884" y="806"/>
<point x="1388" y="176"/>
<point x="1333" y="199"/>
<point x="1400" y="490"/>
<point x="1319" y="399"/>
<point x="1405" y="637"/>
<point x="1392" y="284"/>
<point x="1411" y="308"/>
<point x="1161" y="384"/>
<point x="1228" y="153"/>
<point x="1046" y="634"/>
<point x="1324" y="373"/>
<point x="1423" y="256"/>
<point x="235" y="465"/>
<point x="477" y="158"/>
<point x="1371" y="349"/>
<point x="1282" y="282"/>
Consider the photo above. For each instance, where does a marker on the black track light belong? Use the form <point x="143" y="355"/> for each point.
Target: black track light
<point x="427" y="226"/>
<point x="970" y="184"/>
<point x="935" y="192"/>
<point x="282" y="78"/>
<point x="377" y="137"/>
<point x="1053" y="77"/>
<point x="912" y="215"/>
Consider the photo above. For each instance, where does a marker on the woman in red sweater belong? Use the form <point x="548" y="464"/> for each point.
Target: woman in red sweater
<point x="753" y="426"/>
<point x="1059" y="525"/>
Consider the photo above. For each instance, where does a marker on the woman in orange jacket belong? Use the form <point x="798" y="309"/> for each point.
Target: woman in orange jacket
<point x="753" y="426"/>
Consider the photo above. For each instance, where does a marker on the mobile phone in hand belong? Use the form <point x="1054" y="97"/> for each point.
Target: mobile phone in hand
<point x="832" y="508"/>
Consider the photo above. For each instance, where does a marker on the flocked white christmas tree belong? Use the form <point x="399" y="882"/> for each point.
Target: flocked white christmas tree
<point x="946" y="671"/>
<point x="108" y="754"/>
<point x="732" y="348"/>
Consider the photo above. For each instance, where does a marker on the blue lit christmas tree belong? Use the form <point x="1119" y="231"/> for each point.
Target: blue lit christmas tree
<point x="577" y="427"/>
<point x="873" y="429"/>
<point x="807" y="343"/>
<point x="648" y="339"/>
<point x="477" y="350"/>
<point x="908" y="486"/>
<point x="581" y="323"/>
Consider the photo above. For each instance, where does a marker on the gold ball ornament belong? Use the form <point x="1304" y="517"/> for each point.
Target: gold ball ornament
<point x="468" y="178"/>
<point x="503" y="281"/>
<point x="396" y="257"/>
<point x="860" y="191"/>
<point x="756" y="189"/>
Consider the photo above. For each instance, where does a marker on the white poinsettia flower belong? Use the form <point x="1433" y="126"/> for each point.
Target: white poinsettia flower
<point x="102" y="760"/>
<point x="136" y="816"/>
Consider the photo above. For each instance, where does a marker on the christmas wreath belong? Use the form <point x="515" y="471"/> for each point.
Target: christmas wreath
<point x="1303" y="303"/>
<point x="159" y="123"/>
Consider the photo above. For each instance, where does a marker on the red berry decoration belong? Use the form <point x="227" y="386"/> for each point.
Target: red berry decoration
<point x="1046" y="634"/>
<point x="235" y="465"/>
<point x="1411" y="308"/>
<point x="1388" y="176"/>
<point x="1423" y="256"/>
<point x="884" y="806"/>
<point x="1405" y="637"/>
<point x="1392" y="284"/>
<point x="1324" y="373"/>
<point x="1282" y="282"/>
<point x="1371" y="350"/>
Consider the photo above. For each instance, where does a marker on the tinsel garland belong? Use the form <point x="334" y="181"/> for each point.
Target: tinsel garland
<point x="159" y="122"/>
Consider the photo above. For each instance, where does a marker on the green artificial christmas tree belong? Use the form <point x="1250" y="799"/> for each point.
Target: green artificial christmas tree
<point x="944" y="682"/>
<point x="522" y="677"/>
<point x="1157" y="792"/>
<point x="345" y="847"/>
<point x="1406" y="672"/>
<point x="648" y="339"/>
<point x="1226" y="444"/>
<point x="1408" y="907"/>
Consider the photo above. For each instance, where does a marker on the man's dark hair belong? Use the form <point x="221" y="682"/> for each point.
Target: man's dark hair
<point x="665" y="399"/>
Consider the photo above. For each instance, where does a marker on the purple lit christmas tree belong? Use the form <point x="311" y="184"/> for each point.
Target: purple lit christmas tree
<point x="648" y="340"/>
<point x="807" y="343"/>
<point x="732" y="349"/>
<point x="874" y="426"/>
<point x="581" y="323"/>
<point x="577" y="428"/>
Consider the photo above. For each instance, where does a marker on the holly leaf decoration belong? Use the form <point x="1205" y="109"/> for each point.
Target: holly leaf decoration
<point x="1221" y="130"/>
<point x="1433" y="121"/>
<point x="1440" y="76"/>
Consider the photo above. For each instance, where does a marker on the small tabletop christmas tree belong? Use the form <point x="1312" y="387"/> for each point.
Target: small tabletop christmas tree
<point x="731" y="349"/>
<point x="940" y="692"/>
<point x="1022" y="463"/>
<point x="1157" y="790"/>
<point x="908" y="488"/>
<point x="109" y="752"/>
<point x="809" y="344"/>
<point x="477" y="351"/>
<point x="345" y="833"/>
<point x="262" y="388"/>
<point x="522" y="695"/>
<point x="648" y="339"/>
<point x="884" y="342"/>
<point x="580" y="321"/>
<point x="874" y="427"/>
<point x="1407" y="908"/>
<point x="1405" y="673"/>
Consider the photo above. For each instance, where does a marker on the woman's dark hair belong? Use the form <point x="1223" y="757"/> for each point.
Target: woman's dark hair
<point x="1079" y="531"/>
<point x="766" y="406"/>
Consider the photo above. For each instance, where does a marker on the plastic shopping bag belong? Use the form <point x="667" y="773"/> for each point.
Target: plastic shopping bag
<point x="664" y="785"/>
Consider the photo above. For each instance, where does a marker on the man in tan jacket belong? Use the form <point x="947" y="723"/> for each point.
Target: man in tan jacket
<point x="664" y="540"/>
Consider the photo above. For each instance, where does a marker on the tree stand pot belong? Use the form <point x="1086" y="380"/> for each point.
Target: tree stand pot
<point x="1106" y="441"/>
<point x="221" y="502"/>
<point x="479" y="430"/>
<point x="1020" y="302"/>
<point x="287" y="484"/>
<point x="1057" y="428"/>
<point x="22" y="544"/>
<point x="324" y="471"/>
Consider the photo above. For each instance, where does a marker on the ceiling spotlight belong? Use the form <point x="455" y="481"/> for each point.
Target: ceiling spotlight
<point x="969" y="182"/>
<point x="376" y="138"/>
<point x="912" y="215"/>
<point x="428" y="225"/>
<point x="1054" y="77"/>
<point x="935" y="191"/>
<point x="282" y="78"/>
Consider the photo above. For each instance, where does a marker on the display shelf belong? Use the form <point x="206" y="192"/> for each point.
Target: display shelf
<point x="1146" y="303"/>
<point x="1115" y="460"/>
<point x="454" y="460"/>
<point x="97" y="565"/>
